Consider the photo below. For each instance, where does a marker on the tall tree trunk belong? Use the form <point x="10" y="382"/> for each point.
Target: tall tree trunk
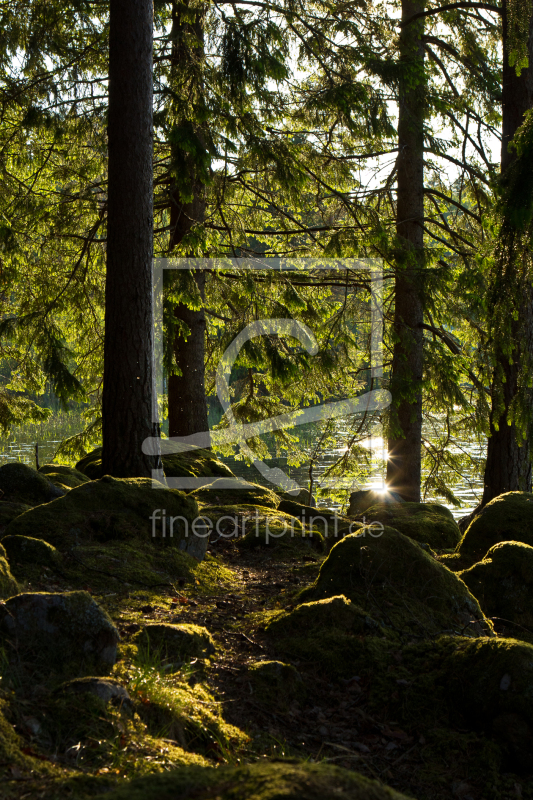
<point x="187" y="406"/>
<point x="128" y="393"/>
<point x="508" y="466"/>
<point x="405" y="437"/>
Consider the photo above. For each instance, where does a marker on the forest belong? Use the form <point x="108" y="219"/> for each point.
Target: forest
<point x="271" y="260"/>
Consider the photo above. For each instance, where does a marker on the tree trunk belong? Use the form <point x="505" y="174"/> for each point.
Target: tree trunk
<point x="128" y="393"/>
<point x="508" y="466"/>
<point x="404" y="444"/>
<point x="187" y="406"/>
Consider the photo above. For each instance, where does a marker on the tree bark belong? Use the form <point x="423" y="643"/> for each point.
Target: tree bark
<point x="508" y="465"/>
<point x="187" y="406"/>
<point x="128" y="393"/>
<point x="405" y="437"/>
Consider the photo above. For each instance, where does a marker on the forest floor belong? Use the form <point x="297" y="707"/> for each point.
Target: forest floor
<point x="333" y="725"/>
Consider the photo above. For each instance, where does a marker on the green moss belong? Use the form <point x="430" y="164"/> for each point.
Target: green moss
<point x="8" y="584"/>
<point x="171" y="708"/>
<point x="11" y="746"/>
<point x="91" y="464"/>
<point x="507" y="518"/>
<point x="399" y="584"/>
<point x="129" y="565"/>
<point x="271" y="781"/>
<point x="331" y="525"/>
<point x="429" y="523"/>
<point x="503" y="583"/>
<point x="111" y="509"/>
<point x="177" y="642"/>
<point x="91" y="734"/>
<point x="270" y="528"/>
<point x="25" y="550"/>
<point x="454" y="561"/>
<point x="22" y="484"/>
<point x="67" y="633"/>
<point x="9" y="511"/>
<point x="196" y="463"/>
<point x="62" y="476"/>
<point x="216" y="494"/>
<point x="330" y="632"/>
<point x="276" y="684"/>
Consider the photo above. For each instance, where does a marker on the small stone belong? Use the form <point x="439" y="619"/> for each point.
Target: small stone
<point x="505" y="682"/>
<point x="110" y="691"/>
<point x="323" y="731"/>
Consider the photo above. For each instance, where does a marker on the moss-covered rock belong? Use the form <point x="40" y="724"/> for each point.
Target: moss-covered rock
<point x="330" y="524"/>
<point x="107" y="689"/>
<point x="486" y="683"/>
<point x="196" y="464"/>
<point x="199" y="463"/>
<point x="114" y="509"/>
<point x="91" y="464"/>
<point x="176" y="642"/>
<point x="63" y="476"/>
<point x="217" y="494"/>
<point x="276" y="684"/>
<point x="23" y="484"/>
<point x="429" y="523"/>
<point x="331" y="633"/>
<point x="361" y="500"/>
<point x="9" y="511"/>
<point x="503" y="583"/>
<point x="270" y="781"/>
<point x="8" y="584"/>
<point x="399" y="584"/>
<point x="124" y="565"/>
<point x="68" y="633"/>
<point x="26" y="550"/>
<point x="507" y="518"/>
<point x="269" y="528"/>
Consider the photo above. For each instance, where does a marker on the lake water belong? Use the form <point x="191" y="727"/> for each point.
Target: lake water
<point x="19" y="445"/>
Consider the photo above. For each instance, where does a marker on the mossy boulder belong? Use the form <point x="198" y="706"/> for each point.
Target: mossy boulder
<point x="361" y="500"/>
<point x="9" y="511"/>
<point x="275" y="684"/>
<point x="176" y="642"/>
<point x="91" y="464"/>
<point x="107" y="689"/>
<point x="429" y="523"/>
<point x="113" y="509"/>
<point x="271" y="528"/>
<point x="26" y="550"/>
<point x="330" y="524"/>
<point x="217" y="494"/>
<point x="507" y="518"/>
<point x="330" y="632"/>
<point x="199" y="463"/>
<point x="23" y="484"/>
<point x="62" y="476"/>
<point x="196" y="464"/>
<point x="263" y="781"/>
<point x="68" y="632"/>
<point x="486" y="683"/>
<point x="503" y="583"/>
<point x="8" y="584"/>
<point x="399" y="584"/>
